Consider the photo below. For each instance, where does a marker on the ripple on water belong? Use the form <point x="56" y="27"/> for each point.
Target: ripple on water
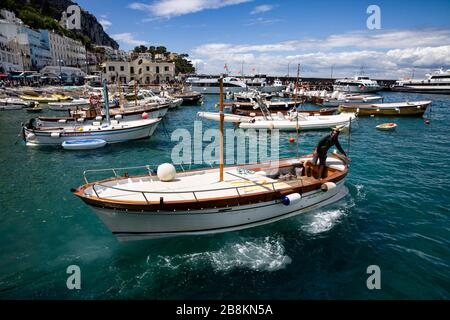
<point x="266" y="254"/>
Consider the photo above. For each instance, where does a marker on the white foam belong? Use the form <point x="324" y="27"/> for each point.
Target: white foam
<point x="322" y="221"/>
<point x="265" y="254"/>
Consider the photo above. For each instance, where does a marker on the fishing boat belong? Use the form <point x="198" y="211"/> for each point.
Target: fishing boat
<point x="111" y="131"/>
<point x="197" y="202"/>
<point x="387" y="126"/>
<point x="68" y="105"/>
<point x="413" y="108"/>
<point x="86" y="144"/>
<point x="260" y="83"/>
<point x="290" y="121"/>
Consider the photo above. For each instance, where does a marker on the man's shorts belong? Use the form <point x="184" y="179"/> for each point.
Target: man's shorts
<point x="322" y="157"/>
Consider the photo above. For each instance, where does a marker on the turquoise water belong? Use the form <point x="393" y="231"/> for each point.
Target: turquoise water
<point x="397" y="216"/>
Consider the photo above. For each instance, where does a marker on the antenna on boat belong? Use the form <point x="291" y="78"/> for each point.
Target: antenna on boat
<point x="221" y="116"/>
<point x="106" y="98"/>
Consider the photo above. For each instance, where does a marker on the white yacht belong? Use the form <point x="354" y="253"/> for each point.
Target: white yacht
<point x="436" y="82"/>
<point x="211" y="86"/>
<point x="357" y="84"/>
<point x="260" y="83"/>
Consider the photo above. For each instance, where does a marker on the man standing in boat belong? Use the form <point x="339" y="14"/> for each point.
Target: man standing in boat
<point x="321" y="151"/>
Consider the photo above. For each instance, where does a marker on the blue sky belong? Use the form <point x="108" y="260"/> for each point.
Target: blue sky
<point x="268" y="35"/>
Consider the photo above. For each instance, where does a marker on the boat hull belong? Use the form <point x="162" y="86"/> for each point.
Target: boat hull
<point x="423" y="89"/>
<point x="415" y="110"/>
<point x="357" y="89"/>
<point x="129" y="225"/>
<point x="215" y="90"/>
<point x="110" y="136"/>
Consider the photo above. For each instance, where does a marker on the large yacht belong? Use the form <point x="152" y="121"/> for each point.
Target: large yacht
<point x="357" y="84"/>
<point x="260" y="83"/>
<point x="211" y="86"/>
<point x="436" y="82"/>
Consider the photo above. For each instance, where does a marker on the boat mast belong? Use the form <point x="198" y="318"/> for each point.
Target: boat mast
<point x="295" y="105"/>
<point x="106" y="98"/>
<point x="221" y="115"/>
<point x="135" y="93"/>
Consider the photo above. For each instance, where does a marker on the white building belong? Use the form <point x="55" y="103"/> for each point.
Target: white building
<point x="66" y="51"/>
<point x="143" y="70"/>
<point x="67" y="74"/>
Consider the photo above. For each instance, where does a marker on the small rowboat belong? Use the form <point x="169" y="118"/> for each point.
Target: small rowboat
<point x="86" y="144"/>
<point x="386" y="126"/>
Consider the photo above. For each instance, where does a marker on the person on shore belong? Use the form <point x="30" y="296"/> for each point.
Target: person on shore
<point x="321" y="151"/>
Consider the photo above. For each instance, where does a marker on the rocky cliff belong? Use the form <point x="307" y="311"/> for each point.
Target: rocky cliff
<point x="90" y="27"/>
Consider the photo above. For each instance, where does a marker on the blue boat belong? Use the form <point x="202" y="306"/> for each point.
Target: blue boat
<point x="85" y="144"/>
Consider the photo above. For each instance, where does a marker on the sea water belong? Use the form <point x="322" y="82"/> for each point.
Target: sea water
<point x="396" y="216"/>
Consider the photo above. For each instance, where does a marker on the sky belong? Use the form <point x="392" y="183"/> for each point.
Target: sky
<point x="272" y="37"/>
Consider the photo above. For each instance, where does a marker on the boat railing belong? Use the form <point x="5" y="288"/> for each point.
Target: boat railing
<point x="149" y="169"/>
<point x="270" y="186"/>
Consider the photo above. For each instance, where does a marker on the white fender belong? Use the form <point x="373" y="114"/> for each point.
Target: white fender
<point x="327" y="186"/>
<point x="291" y="199"/>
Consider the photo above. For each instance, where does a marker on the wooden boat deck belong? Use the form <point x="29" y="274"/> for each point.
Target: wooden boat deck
<point x="200" y="185"/>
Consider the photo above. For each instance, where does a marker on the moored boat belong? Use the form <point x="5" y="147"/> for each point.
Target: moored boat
<point x="189" y="98"/>
<point x="290" y="121"/>
<point x="86" y="144"/>
<point x="387" y="126"/>
<point x="413" y="108"/>
<point x="197" y="202"/>
<point x="68" y="105"/>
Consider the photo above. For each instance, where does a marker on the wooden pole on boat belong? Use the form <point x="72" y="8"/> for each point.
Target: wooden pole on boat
<point x="106" y="98"/>
<point x="349" y="135"/>
<point x="295" y="104"/>
<point x="135" y="93"/>
<point x="221" y="115"/>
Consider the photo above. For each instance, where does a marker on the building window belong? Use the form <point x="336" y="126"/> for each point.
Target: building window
<point x="166" y="68"/>
<point x="122" y="68"/>
<point x="111" y="68"/>
<point x="157" y="69"/>
<point x="131" y="69"/>
<point x="148" y="68"/>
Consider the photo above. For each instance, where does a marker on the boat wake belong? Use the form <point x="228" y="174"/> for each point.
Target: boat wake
<point x="266" y="254"/>
<point x="322" y="221"/>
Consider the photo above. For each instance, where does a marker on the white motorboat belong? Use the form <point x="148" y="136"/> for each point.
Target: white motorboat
<point x="113" y="132"/>
<point x="211" y="86"/>
<point x="357" y="84"/>
<point x="436" y="82"/>
<point x="68" y="105"/>
<point x="290" y="121"/>
<point x="337" y="98"/>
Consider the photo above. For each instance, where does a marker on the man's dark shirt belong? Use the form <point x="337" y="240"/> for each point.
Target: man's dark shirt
<point x="327" y="142"/>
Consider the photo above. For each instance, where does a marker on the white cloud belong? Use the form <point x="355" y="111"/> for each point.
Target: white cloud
<point x="173" y="8"/>
<point x="262" y="8"/>
<point x="128" y="39"/>
<point x="105" y="23"/>
<point x="388" y="54"/>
